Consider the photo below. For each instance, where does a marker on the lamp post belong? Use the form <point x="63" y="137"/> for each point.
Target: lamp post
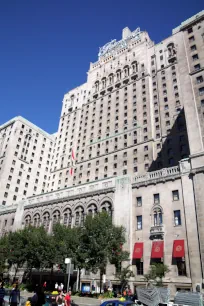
<point x="68" y="263"/>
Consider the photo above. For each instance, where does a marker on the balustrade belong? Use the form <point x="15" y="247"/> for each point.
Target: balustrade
<point x="156" y="174"/>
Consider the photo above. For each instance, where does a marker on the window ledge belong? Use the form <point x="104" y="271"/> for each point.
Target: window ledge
<point x="196" y="71"/>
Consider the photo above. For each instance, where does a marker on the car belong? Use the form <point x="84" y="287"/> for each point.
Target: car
<point x="118" y="303"/>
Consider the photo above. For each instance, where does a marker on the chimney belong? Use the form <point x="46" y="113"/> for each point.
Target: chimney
<point x="126" y="33"/>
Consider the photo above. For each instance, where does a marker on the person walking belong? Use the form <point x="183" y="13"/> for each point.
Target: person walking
<point x="56" y="286"/>
<point x="60" y="299"/>
<point x="68" y="299"/>
<point x="14" y="298"/>
<point x="38" y="298"/>
<point x="2" y="293"/>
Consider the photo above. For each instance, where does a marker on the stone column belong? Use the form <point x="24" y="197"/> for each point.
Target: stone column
<point x="18" y="216"/>
<point x="198" y="179"/>
<point x="123" y="209"/>
<point x="191" y="225"/>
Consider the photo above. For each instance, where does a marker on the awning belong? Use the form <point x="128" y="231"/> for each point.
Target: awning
<point x="157" y="249"/>
<point x="138" y="250"/>
<point x="178" y="249"/>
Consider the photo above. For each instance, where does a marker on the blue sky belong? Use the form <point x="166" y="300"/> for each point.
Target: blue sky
<point x="46" y="46"/>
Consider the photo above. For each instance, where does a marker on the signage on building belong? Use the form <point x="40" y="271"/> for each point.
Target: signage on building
<point x="110" y="47"/>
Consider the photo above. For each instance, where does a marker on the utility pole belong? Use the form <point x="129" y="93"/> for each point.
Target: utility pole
<point x="68" y="263"/>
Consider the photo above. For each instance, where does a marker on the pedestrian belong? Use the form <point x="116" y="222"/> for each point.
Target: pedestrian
<point x="56" y="286"/>
<point x="62" y="286"/>
<point x="44" y="285"/>
<point x="60" y="299"/>
<point x="68" y="299"/>
<point x="2" y="293"/>
<point x="14" y="298"/>
<point x="38" y="298"/>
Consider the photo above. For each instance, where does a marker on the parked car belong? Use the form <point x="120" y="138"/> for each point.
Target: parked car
<point x="119" y="303"/>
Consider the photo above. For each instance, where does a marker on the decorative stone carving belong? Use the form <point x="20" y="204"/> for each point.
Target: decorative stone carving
<point x="111" y="47"/>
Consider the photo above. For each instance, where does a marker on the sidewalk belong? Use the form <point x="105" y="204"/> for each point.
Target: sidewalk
<point x="85" y="301"/>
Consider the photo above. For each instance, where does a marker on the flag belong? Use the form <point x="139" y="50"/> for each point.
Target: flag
<point x="72" y="162"/>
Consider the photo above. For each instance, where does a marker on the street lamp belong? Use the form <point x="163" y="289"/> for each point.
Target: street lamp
<point x="68" y="263"/>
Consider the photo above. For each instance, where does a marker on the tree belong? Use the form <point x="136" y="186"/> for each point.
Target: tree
<point x="3" y="255"/>
<point x="69" y="243"/>
<point x="124" y="275"/>
<point x="39" y="248"/>
<point x="101" y="242"/>
<point x="156" y="273"/>
<point x="15" y="250"/>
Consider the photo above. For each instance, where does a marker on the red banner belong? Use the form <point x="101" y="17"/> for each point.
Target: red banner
<point x="178" y="249"/>
<point x="157" y="249"/>
<point x="138" y="250"/>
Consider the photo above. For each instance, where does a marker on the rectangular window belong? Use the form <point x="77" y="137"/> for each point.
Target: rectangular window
<point x="175" y="195"/>
<point x="201" y="91"/>
<point x="139" y="267"/>
<point x="177" y="217"/>
<point x="197" y="67"/>
<point x="195" y="57"/>
<point x="199" y="79"/>
<point x="193" y="48"/>
<point x="181" y="266"/>
<point x="191" y="39"/>
<point x="139" y="222"/>
<point x="156" y="198"/>
<point x="135" y="169"/>
<point x="139" y="201"/>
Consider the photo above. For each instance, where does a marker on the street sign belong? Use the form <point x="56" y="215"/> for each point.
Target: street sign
<point x="67" y="261"/>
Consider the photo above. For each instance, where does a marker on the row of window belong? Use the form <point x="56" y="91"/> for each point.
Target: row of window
<point x="181" y="267"/>
<point x="158" y="218"/>
<point x="156" y="198"/>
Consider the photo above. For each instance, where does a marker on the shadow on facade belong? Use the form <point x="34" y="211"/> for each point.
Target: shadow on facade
<point x="175" y="146"/>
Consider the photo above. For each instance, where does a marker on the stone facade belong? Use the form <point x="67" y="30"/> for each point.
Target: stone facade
<point x="133" y="137"/>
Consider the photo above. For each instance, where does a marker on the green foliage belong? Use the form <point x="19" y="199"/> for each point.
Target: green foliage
<point x="3" y="254"/>
<point x="102" y="241"/>
<point x="124" y="275"/>
<point x="156" y="273"/>
<point x="91" y="246"/>
<point x="108" y="295"/>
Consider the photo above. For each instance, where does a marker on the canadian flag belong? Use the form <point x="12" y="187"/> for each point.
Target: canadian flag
<point x="72" y="162"/>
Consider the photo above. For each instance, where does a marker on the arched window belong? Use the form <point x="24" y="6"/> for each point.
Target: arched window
<point x="79" y="216"/>
<point x="171" y="49"/>
<point x="36" y="220"/>
<point x="126" y="71"/>
<point x="92" y="210"/>
<point x="157" y="216"/>
<point x="28" y="137"/>
<point x="110" y="78"/>
<point x="103" y="83"/>
<point x="67" y="220"/>
<point x="46" y="220"/>
<point x="134" y="67"/>
<point x="27" y="220"/>
<point x="97" y="86"/>
<point x="107" y="207"/>
<point x="118" y="75"/>
<point x="56" y="217"/>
